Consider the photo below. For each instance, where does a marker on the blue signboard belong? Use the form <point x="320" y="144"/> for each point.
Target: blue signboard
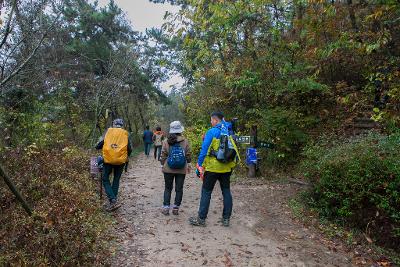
<point x="251" y="156"/>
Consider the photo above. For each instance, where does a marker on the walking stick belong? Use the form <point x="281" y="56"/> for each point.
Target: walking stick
<point x="101" y="185"/>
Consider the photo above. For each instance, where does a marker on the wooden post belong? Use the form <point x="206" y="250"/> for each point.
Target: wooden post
<point x="253" y="143"/>
<point x="15" y="191"/>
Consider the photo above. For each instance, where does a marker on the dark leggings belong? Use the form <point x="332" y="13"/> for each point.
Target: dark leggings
<point x="112" y="190"/>
<point x="169" y="184"/>
<point x="157" y="152"/>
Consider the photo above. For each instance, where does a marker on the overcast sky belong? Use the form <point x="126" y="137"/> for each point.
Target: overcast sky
<point x="144" y="14"/>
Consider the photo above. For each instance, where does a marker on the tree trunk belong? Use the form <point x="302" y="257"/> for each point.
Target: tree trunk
<point x="15" y="191"/>
<point x="252" y="171"/>
<point x="352" y="15"/>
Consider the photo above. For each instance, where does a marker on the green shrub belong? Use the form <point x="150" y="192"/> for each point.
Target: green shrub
<point x="288" y="130"/>
<point x="195" y="136"/>
<point x="68" y="226"/>
<point x="357" y="181"/>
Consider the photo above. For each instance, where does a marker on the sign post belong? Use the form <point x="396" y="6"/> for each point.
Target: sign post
<point x="251" y="152"/>
<point x="253" y="165"/>
<point x="96" y="171"/>
<point x="244" y="139"/>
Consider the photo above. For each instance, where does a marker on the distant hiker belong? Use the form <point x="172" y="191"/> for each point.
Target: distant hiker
<point x="116" y="148"/>
<point x="175" y="159"/>
<point x="147" y="140"/>
<point x="218" y="157"/>
<point x="158" y="138"/>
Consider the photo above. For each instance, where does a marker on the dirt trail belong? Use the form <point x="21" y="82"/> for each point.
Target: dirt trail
<point x="262" y="232"/>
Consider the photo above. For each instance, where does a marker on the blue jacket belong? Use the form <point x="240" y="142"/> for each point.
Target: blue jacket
<point x="210" y="134"/>
<point x="148" y="136"/>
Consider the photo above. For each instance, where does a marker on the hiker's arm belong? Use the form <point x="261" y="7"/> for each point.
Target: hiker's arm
<point x="188" y="153"/>
<point x="100" y="144"/>
<point x="129" y="146"/>
<point x="164" y="153"/>
<point x="204" y="147"/>
<point x="101" y="141"/>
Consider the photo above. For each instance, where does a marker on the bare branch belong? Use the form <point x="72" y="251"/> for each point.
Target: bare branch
<point x="15" y="72"/>
<point x="8" y="26"/>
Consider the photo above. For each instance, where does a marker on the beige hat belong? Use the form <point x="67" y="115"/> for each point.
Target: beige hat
<point x="176" y="127"/>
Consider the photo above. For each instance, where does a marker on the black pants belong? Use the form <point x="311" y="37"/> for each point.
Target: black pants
<point x="157" y="152"/>
<point x="169" y="184"/>
<point x="210" y="179"/>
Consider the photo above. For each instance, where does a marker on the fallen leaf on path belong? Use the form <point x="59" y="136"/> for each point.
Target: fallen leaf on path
<point x="185" y="247"/>
<point x="384" y="263"/>
<point x="258" y="232"/>
<point x="368" y="239"/>
<point x="227" y="260"/>
<point x="246" y="251"/>
<point x="283" y="254"/>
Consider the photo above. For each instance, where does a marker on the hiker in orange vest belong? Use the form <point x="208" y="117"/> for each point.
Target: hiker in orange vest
<point x="158" y="138"/>
<point x="116" y="148"/>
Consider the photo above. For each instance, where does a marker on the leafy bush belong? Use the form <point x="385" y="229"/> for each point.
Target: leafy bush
<point x="357" y="181"/>
<point x="68" y="226"/>
<point x="195" y="136"/>
<point x="286" y="129"/>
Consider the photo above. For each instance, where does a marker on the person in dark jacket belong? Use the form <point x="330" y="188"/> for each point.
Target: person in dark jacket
<point x="177" y="175"/>
<point x="112" y="164"/>
<point x="147" y="140"/>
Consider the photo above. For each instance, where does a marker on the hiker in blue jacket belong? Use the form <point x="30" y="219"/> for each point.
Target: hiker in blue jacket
<point x="211" y="169"/>
<point x="147" y="140"/>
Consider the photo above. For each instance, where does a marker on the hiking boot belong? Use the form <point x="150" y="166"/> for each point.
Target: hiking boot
<point x="175" y="211"/>
<point x="113" y="206"/>
<point x="225" y="222"/>
<point x="165" y="211"/>
<point x="196" y="221"/>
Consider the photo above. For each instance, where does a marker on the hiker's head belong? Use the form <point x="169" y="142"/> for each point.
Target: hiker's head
<point x="216" y="117"/>
<point x="147" y="127"/>
<point x="118" y="123"/>
<point x="176" y="127"/>
<point x="158" y="129"/>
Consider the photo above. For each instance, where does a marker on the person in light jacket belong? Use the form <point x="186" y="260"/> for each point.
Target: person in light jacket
<point x="178" y="175"/>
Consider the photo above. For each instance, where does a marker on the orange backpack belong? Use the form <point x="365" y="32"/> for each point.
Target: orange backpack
<point x="115" y="148"/>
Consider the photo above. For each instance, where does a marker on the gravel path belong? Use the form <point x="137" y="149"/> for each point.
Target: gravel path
<point x="262" y="232"/>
